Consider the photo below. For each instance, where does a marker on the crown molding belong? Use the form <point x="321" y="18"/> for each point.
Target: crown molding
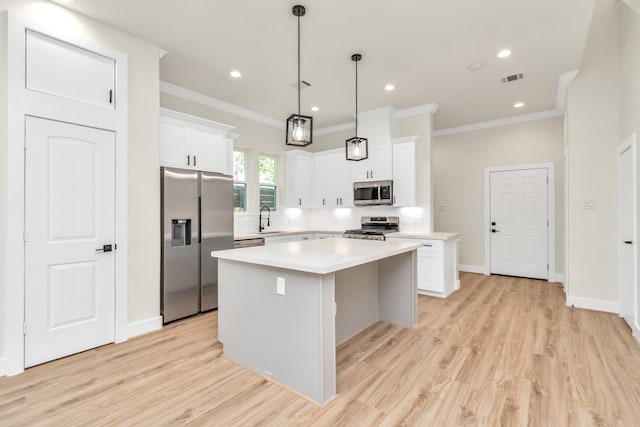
<point x="418" y="109"/>
<point x="193" y="96"/>
<point x="335" y="129"/>
<point x="563" y="87"/>
<point x="540" y="115"/>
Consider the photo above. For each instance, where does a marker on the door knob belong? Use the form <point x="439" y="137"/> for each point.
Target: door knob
<point x="493" y="230"/>
<point x="105" y="248"/>
<point x="628" y="242"/>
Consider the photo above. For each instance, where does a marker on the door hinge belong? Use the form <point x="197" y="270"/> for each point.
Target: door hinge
<point x="24" y="328"/>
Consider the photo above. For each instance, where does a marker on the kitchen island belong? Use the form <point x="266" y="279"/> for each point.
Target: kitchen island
<point x="283" y="309"/>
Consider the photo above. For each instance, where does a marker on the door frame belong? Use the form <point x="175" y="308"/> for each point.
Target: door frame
<point x="22" y="103"/>
<point x="630" y="144"/>
<point x="551" y="229"/>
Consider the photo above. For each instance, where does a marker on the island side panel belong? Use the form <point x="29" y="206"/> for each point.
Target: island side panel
<point x="289" y="338"/>
<point x="356" y="299"/>
<point x="398" y="289"/>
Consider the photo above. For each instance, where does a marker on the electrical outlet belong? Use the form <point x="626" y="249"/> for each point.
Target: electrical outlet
<point x="280" y="286"/>
<point x="589" y="204"/>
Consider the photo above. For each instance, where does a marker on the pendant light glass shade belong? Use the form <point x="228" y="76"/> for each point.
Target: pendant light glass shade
<point x="299" y="128"/>
<point x="357" y="148"/>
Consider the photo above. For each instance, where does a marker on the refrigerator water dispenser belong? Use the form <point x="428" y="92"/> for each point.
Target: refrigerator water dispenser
<point x="181" y="232"/>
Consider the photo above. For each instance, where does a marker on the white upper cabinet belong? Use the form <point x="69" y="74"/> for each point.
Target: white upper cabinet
<point x="409" y="156"/>
<point x="338" y="183"/>
<point x="375" y="168"/>
<point x="192" y="143"/>
<point x="332" y="180"/>
<point x="300" y="173"/>
<point x="67" y="71"/>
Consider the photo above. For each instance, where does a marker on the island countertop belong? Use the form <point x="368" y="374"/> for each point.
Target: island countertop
<point x="318" y="256"/>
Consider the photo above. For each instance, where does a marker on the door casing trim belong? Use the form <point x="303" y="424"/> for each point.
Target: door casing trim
<point x="21" y="103"/>
<point x="551" y="229"/>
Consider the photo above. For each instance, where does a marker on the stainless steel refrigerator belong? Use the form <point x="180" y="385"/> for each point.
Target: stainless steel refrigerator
<point x="197" y="218"/>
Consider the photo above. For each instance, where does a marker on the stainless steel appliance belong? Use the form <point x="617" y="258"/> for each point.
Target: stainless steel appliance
<point x="197" y="218"/>
<point x="373" y="193"/>
<point x="374" y="228"/>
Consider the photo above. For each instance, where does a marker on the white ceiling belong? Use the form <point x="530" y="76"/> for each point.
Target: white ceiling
<point x="423" y="47"/>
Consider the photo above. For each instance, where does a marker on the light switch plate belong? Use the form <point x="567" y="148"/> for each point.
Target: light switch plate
<point x="280" y="286"/>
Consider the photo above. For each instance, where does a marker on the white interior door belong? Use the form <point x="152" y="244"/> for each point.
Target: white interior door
<point x="626" y="205"/>
<point x="518" y="212"/>
<point x="69" y="217"/>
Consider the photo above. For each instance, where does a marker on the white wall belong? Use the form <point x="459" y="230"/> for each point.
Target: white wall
<point x="143" y="152"/>
<point x="593" y="134"/>
<point x="3" y="187"/>
<point x="458" y="162"/>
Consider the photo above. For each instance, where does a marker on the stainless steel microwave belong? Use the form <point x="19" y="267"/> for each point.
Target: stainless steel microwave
<point x="373" y="193"/>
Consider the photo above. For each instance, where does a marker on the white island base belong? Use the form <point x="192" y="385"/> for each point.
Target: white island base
<point x="283" y="309"/>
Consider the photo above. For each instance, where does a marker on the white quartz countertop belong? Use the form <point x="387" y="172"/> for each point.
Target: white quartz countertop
<point x="422" y="235"/>
<point x="267" y="234"/>
<point x="321" y="256"/>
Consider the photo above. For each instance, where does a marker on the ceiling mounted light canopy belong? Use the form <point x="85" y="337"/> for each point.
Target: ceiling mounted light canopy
<point x="357" y="148"/>
<point x="299" y="127"/>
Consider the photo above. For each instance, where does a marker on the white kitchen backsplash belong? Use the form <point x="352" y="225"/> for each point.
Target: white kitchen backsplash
<point x="411" y="219"/>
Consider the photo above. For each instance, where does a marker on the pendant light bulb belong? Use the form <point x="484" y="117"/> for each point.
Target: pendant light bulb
<point x="298" y="130"/>
<point x="356" y="150"/>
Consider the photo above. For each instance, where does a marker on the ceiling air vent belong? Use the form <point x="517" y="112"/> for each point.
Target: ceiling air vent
<point x="512" y="78"/>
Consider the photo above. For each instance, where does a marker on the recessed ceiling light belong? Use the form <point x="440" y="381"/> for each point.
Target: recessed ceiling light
<point x="504" y="53"/>
<point x="389" y="87"/>
<point x="518" y="105"/>
<point x="235" y="74"/>
<point x="475" y="67"/>
<point x="314" y="108"/>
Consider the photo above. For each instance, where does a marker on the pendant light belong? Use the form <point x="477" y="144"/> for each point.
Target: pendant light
<point x="299" y="127"/>
<point x="357" y="147"/>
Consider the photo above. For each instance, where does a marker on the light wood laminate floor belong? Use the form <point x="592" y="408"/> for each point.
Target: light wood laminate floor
<point x="501" y="351"/>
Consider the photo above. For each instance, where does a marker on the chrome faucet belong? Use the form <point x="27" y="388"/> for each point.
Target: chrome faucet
<point x="260" y="226"/>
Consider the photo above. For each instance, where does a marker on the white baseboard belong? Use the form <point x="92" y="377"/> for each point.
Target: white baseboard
<point x="558" y="277"/>
<point x="144" y="326"/>
<point x="593" y="304"/>
<point x="471" y="268"/>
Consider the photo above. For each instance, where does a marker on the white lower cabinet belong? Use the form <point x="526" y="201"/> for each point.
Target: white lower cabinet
<point x="437" y="273"/>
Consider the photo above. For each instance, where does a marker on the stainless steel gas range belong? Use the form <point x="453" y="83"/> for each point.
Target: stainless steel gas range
<point x="374" y="228"/>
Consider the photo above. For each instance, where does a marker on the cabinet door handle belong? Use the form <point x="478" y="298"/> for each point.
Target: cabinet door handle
<point x="323" y="202"/>
<point x="340" y="201"/>
<point x="110" y="96"/>
<point x="371" y="174"/>
<point x="299" y="202"/>
<point x="337" y="201"/>
<point x="628" y="242"/>
<point x="194" y="161"/>
<point x="367" y="174"/>
<point x="188" y="160"/>
<point x="428" y="246"/>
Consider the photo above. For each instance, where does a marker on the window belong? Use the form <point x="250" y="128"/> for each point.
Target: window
<point x="240" y="181"/>
<point x="267" y="172"/>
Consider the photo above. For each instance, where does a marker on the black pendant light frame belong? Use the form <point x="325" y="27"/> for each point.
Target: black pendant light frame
<point x="298" y="122"/>
<point x="357" y="148"/>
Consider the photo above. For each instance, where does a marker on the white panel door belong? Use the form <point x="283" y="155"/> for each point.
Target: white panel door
<point x="69" y="216"/>
<point x="626" y="198"/>
<point x="518" y="203"/>
<point x="64" y="70"/>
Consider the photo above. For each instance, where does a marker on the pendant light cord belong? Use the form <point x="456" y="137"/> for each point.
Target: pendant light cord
<point x="298" y="65"/>
<point x="356" y="99"/>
